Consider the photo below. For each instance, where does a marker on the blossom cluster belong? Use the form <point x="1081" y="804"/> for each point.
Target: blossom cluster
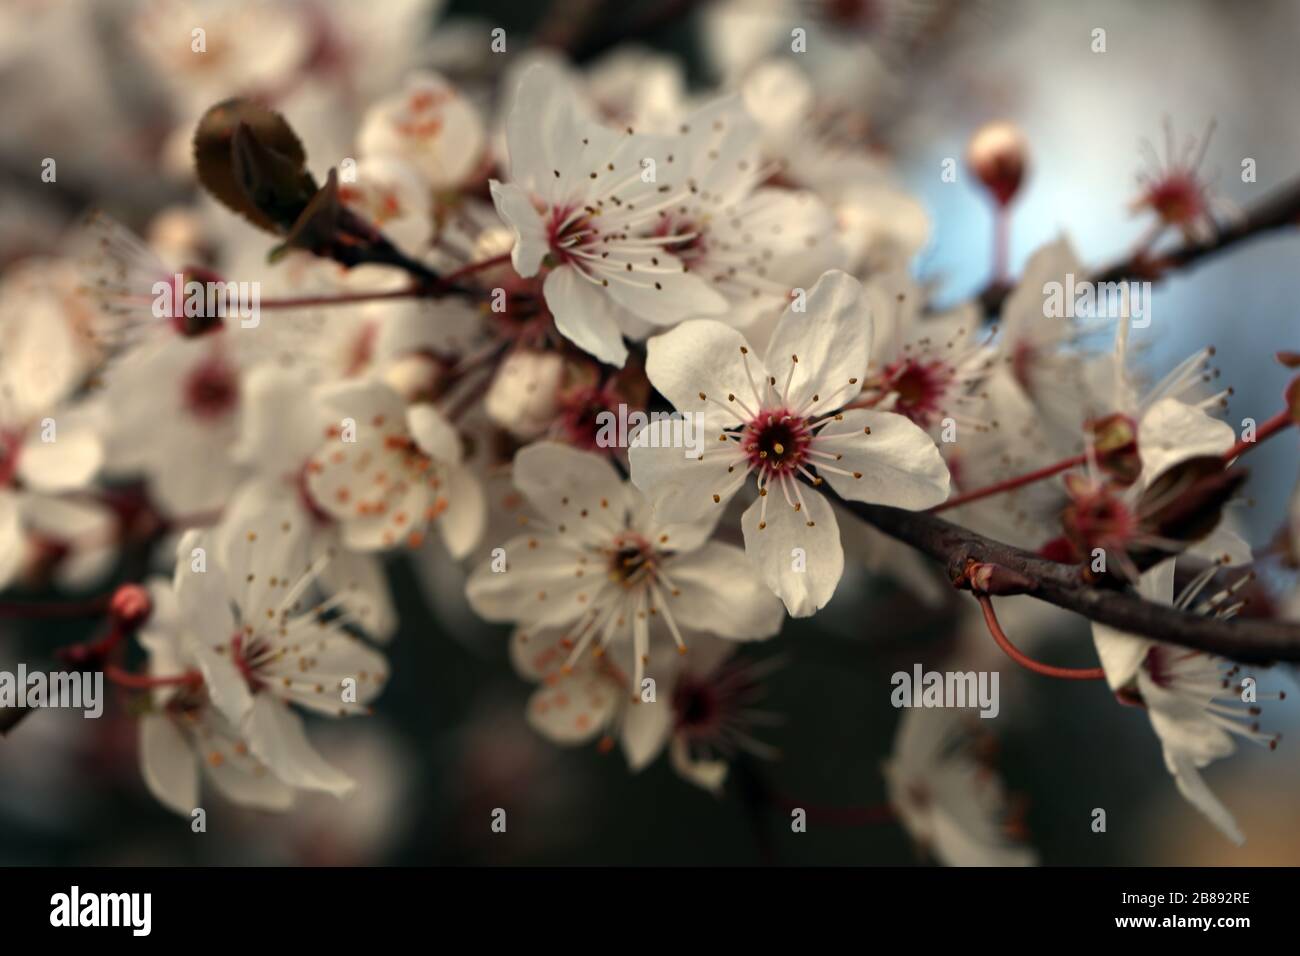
<point x="491" y="265"/>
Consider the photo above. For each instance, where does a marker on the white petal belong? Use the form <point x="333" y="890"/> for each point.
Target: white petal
<point x="899" y="463"/>
<point x="13" y="543"/>
<point x="1193" y="787"/>
<point x="250" y="785"/>
<point x="646" y="728"/>
<point x="436" y="436"/>
<point x="680" y="488"/>
<point x="578" y="490"/>
<point x="787" y="542"/>
<point x="466" y="518"/>
<point x="281" y="426"/>
<point x="584" y="316"/>
<point x="540" y="585"/>
<point x="363" y="401"/>
<point x="68" y="462"/>
<point x="515" y="206"/>
<point x="1171" y="432"/>
<point x="262" y="544"/>
<point x="168" y="764"/>
<point x="575" y="708"/>
<point x="720" y="594"/>
<point x="832" y="339"/>
<point x="360" y="581"/>
<point x="547" y="131"/>
<point x="708" y="774"/>
<point x="703" y="355"/>
<point x="203" y="597"/>
<point x="276" y="736"/>
<point x="1121" y="654"/>
<point x="663" y="293"/>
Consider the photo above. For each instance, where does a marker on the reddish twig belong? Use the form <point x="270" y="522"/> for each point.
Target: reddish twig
<point x="124" y="678"/>
<point x="1282" y="420"/>
<point x="1249" y="640"/>
<point x="1028" y="663"/>
<point x="1010" y="484"/>
<point x="1277" y="210"/>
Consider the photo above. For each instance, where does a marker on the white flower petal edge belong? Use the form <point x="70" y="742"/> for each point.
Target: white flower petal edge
<point x="890" y="460"/>
<point x="789" y="539"/>
<point x="831" y="337"/>
<point x="276" y="736"/>
<point x="1171" y="432"/>
<point x="168" y="764"/>
<point x="516" y="207"/>
<point x="584" y="316"/>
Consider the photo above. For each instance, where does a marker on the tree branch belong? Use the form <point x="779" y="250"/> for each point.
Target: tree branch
<point x="1250" y="640"/>
<point x="1278" y="209"/>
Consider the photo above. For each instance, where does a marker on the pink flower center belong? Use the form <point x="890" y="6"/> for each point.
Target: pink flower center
<point x="1177" y="198"/>
<point x="211" y="389"/>
<point x="777" y="442"/>
<point x="921" y="388"/>
<point x="569" y="230"/>
<point x="632" y="560"/>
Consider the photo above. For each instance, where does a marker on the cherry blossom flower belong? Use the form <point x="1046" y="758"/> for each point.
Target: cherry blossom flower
<point x="599" y="564"/>
<point x="175" y="406"/>
<point x="240" y="591"/>
<point x="388" y="470"/>
<point x="1041" y="351"/>
<point x="578" y="701"/>
<point x="1195" y="700"/>
<point x="930" y="369"/>
<point x="945" y="795"/>
<point x="1174" y="190"/>
<point x="183" y="736"/>
<point x="587" y="201"/>
<point x="780" y="419"/>
<point x="47" y="446"/>
<point x="390" y="193"/>
<point x="279" y="436"/>
<point x="525" y="394"/>
<point x="429" y="125"/>
<point x="877" y="225"/>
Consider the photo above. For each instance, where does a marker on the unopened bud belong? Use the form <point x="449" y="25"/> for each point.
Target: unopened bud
<point x="999" y="156"/>
<point x="524" y="395"/>
<point x="415" y="376"/>
<point x="1115" y="446"/>
<point x="130" y="605"/>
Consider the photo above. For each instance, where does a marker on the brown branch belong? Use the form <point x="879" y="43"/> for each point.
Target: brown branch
<point x="1278" y="209"/>
<point x="1246" y="640"/>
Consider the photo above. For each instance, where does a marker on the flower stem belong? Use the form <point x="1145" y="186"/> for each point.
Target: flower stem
<point x="428" y="290"/>
<point x="1271" y="427"/>
<point x="124" y="678"/>
<point x="1010" y="484"/>
<point x="49" y="610"/>
<point x="1047" y="670"/>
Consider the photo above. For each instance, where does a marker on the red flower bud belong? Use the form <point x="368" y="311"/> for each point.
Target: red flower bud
<point x="999" y="155"/>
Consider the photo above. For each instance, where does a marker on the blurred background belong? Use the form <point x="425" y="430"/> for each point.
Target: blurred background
<point x="449" y="743"/>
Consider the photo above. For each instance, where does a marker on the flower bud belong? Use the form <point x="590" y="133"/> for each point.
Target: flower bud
<point x="1115" y="445"/>
<point x="999" y="156"/>
<point x="130" y="606"/>
<point x="524" y="396"/>
<point x="414" y="376"/>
